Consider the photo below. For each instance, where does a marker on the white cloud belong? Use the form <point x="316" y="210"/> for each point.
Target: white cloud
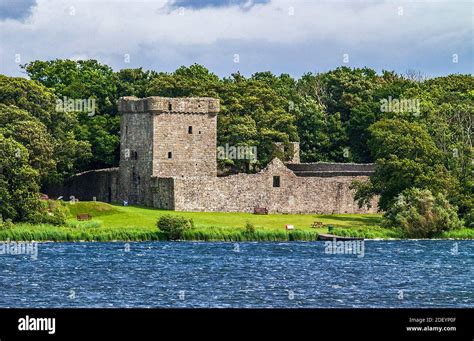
<point x="152" y="32"/>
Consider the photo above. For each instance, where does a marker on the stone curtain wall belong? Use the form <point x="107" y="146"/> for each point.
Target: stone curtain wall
<point x="332" y="167"/>
<point x="102" y="184"/>
<point x="242" y="192"/>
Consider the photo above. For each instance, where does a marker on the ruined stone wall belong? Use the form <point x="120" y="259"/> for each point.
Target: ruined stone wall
<point x="101" y="184"/>
<point x="296" y="152"/>
<point x="242" y="192"/>
<point x="295" y="155"/>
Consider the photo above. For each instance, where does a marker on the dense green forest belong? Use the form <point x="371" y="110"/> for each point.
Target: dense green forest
<point x="423" y="151"/>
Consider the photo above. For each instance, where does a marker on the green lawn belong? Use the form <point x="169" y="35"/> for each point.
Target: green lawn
<point x="133" y="216"/>
<point x="221" y="224"/>
<point x="114" y="222"/>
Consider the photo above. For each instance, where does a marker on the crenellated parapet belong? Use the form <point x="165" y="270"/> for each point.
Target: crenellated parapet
<point x="156" y="104"/>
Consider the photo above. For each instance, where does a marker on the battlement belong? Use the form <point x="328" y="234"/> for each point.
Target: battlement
<point x="156" y="104"/>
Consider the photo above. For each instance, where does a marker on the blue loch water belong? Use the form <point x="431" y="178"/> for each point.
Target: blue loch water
<point x="198" y="274"/>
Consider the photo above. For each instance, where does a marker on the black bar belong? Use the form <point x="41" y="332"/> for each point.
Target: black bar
<point x="311" y="324"/>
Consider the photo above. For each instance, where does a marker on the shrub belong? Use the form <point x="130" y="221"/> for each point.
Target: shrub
<point x="469" y="219"/>
<point x="51" y="212"/>
<point x="420" y="214"/>
<point x="174" y="226"/>
<point x="5" y="224"/>
<point x="249" y="227"/>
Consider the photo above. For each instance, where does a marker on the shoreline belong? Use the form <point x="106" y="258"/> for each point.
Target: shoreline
<point x="219" y="241"/>
<point x="114" y="223"/>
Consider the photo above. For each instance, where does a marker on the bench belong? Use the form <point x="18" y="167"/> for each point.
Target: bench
<point x="84" y="216"/>
<point x="317" y="224"/>
<point x="260" y="210"/>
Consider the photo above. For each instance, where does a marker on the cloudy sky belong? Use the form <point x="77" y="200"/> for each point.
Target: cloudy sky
<point x="282" y="36"/>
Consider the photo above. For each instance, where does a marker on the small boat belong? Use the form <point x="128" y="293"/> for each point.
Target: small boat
<point x="337" y="238"/>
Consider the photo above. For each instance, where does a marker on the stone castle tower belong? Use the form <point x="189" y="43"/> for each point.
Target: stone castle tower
<point x="165" y="138"/>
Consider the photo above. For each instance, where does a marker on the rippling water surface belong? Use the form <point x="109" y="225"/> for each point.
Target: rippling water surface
<point x="188" y="274"/>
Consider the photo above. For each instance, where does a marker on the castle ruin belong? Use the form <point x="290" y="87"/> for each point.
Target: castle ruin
<point x="168" y="160"/>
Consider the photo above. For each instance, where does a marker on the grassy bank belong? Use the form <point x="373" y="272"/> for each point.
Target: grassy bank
<point x="112" y="222"/>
